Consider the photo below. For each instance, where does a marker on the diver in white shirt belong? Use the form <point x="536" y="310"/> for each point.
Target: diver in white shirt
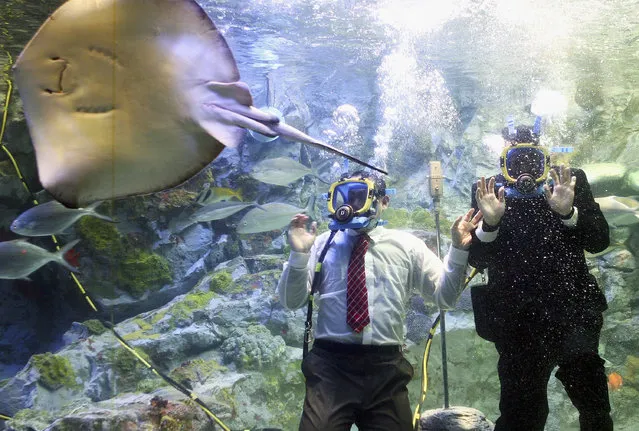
<point x="355" y="372"/>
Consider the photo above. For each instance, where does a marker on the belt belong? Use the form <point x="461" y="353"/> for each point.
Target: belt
<point x="336" y="347"/>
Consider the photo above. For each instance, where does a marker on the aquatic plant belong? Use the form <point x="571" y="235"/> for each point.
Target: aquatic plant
<point x="55" y="371"/>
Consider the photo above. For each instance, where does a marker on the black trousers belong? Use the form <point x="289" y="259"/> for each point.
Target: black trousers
<point x="527" y="357"/>
<point x="356" y="385"/>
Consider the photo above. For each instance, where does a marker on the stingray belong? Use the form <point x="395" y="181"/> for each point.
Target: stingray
<point x="129" y="97"/>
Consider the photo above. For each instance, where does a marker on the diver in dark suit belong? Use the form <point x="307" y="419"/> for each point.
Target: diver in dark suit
<point x="541" y="306"/>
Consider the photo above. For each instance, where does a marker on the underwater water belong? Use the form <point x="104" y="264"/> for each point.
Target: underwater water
<point x="188" y="275"/>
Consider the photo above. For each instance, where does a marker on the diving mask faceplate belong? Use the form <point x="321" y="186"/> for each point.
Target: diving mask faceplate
<point x="350" y="204"/>
<point x="357" y="194"/>
<point x="525" y="168"/>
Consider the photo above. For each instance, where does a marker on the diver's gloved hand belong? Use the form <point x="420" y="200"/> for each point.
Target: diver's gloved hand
<point x="462" y="229"/>
<point x="299" y="238"/>
<point x="562" y="195"/>
<point x="492" y="206"/>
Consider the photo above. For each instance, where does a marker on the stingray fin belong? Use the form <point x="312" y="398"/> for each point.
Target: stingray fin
<point x="223" y="125"/>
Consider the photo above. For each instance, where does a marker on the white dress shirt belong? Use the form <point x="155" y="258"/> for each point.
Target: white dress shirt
<point x="397" y="263"/>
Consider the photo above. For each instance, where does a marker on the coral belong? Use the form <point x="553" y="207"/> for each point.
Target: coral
<point x="94" y="326"/>
<point x="253" y="348"/>
<point x="55" y="371"/>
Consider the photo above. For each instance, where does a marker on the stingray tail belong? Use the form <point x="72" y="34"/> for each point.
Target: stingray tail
<point x="295" y="135"/>
<point x="59" y="256"/>
<point x="236" y="112"/>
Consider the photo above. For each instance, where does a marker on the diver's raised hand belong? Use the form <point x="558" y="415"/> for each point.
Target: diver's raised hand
<point x="299" y="238"/>
<point x="562" y="195"/>
<point x="492" y="206"/>
<point x="462" y="229"/>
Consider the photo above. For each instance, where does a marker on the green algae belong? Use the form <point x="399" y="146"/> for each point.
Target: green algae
<point x="133" y="269"/>
<point x="55" y="371"/>
<point x="95" y="327"/>
<point x="221" y="282"/>
<point x="184" y="309"/>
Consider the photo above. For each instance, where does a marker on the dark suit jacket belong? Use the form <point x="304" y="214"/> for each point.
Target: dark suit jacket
<point x="537" y="261"/>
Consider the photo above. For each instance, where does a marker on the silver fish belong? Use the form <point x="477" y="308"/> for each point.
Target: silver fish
<point x="127" y="97"/>
<point x="19" y="258"/>
<point x="220" y="210"/>
<point x="273" y="216"/>
<point x="619" y="210"/>
<point x="281" y="171"/>
<point x="51" y="218"/>
<point x="207" y="213"/>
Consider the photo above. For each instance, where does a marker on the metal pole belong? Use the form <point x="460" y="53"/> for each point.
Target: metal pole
<point x="437" y="191"/>
<point x="442" y="313"/>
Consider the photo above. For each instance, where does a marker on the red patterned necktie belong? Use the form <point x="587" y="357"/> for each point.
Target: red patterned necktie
<point x="356" y="295"/>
